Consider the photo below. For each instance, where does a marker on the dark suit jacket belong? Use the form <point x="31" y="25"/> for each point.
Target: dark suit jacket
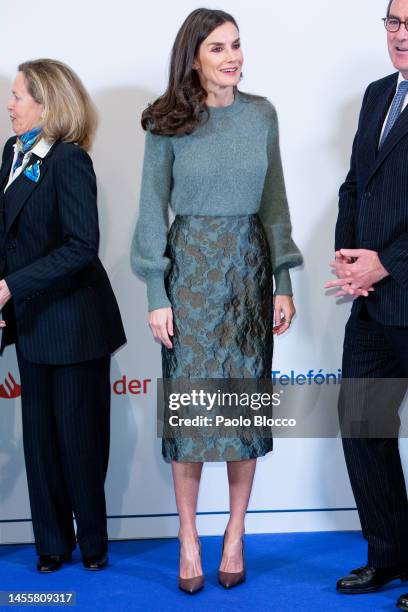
<point x="63" y="309"/>
<point x="373" y="204"/>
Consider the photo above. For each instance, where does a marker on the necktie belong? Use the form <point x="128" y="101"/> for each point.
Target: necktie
<point x="395" y="110"/>
<point x="24" y="144"/>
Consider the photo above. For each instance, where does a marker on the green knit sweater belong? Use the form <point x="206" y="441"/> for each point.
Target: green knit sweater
<point x="230" y="165"/>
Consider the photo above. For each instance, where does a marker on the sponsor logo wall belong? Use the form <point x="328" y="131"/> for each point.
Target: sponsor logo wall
<point x="303" y="484"/>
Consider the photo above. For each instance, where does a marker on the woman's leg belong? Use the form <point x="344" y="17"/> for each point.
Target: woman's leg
<point x="50" y="503"/>
<point x="82" y="415"/>
<point x="240" y="478"/>
<point x="186" y="477"/>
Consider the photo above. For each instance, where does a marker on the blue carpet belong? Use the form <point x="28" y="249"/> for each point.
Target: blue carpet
<point x="285" y="572"/>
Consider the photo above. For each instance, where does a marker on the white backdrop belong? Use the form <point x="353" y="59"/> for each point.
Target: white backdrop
<point x="313" y="60"/>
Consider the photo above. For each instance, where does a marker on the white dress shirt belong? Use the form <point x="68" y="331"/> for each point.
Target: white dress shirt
<point x="405" y="103"/>
<point x="40" y="149"/>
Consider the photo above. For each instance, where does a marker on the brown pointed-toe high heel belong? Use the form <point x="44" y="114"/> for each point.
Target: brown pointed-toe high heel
<point x="231" y="579"/>
<point x="194" y="584"/>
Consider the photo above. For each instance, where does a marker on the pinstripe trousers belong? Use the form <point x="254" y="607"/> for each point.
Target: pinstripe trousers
<point x="372" y="350"/>
<point x="66" y="424"/>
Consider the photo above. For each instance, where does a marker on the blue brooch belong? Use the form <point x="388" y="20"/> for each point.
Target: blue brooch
<point x="32" y="171"/>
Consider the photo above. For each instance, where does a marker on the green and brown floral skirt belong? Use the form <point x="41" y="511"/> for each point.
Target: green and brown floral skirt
<point x="221" y="289"/>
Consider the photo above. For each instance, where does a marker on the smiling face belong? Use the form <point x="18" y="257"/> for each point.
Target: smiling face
<point x="25" y="113"/>
<point x="219" y="59"/>
<point x="398" y="41"/>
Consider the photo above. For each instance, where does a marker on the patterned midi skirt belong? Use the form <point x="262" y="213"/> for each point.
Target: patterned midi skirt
<point x="220" y="286"/>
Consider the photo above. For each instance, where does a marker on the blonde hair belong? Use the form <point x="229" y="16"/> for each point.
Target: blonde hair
<point x="69" y="113"/>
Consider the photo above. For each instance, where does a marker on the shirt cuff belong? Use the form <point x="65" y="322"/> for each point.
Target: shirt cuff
<point x="156" y="292"/>
<point x="283" y="285"/>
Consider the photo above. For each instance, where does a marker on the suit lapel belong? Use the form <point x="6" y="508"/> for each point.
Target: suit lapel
<point x="5" y="170"/>
<point x="399" y="130"/>
<point x="22" y="188"/>
<point x="372" y="126"/>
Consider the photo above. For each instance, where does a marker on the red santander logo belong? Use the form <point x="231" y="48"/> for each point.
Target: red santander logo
<point x="10" y="389"/>
<point x="133" y="386"/>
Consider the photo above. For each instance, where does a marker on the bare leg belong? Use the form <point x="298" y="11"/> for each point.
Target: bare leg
<point x="240" y="478"/>
<point x="186" y="477"/>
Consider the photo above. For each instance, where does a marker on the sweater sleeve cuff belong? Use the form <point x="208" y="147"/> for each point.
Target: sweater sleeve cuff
<point x="283" y="285"/>
<point x="156" y="292"/>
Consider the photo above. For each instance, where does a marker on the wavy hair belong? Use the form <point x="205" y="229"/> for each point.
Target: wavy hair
<point x="69" y="113"/>
<point x="180" y="109"/>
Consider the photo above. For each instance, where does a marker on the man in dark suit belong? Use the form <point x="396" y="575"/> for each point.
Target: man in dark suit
<point x="372" y="265"/>
<point x="59" y="310"/>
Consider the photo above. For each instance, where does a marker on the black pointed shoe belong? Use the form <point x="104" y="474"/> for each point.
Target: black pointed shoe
<point x="51" y="563"/>
<point x="368" y="579"/>
<point x="402" y="602"/>
<point x="95" y="562"/>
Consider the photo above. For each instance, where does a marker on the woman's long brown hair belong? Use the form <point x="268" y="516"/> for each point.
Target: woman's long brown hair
<point x="180" y="109"/>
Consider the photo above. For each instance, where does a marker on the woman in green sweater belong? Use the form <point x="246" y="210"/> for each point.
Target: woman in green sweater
<point x="212" y="155"/>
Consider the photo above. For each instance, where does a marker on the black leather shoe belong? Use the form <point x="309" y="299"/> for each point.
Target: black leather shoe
<point x="402" y="603"/>
<point x="368" y="579"/>
<point x="95" y="562"/>
<point x="52" y="563"/>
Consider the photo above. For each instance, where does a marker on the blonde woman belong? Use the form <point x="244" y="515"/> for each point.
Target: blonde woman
<point x="59" y="309"/>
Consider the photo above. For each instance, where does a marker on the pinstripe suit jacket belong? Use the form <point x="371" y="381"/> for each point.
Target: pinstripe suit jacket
<point x="373" y="202"/>
<point x="63" y="309"/>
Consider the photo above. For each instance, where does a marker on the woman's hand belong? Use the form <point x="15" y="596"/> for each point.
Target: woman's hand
<point x="284" y="311"/>
<point x="161" y="324"/>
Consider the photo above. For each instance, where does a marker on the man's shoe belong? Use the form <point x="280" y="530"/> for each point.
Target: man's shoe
<point x="402" y="603"/>
<point x="95" y="562"/>
<point x="367" y="579"/>
<point x="51" y="563"/>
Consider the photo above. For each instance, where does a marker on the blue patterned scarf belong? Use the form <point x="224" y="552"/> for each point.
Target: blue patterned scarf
<point x="24" y="144"/>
